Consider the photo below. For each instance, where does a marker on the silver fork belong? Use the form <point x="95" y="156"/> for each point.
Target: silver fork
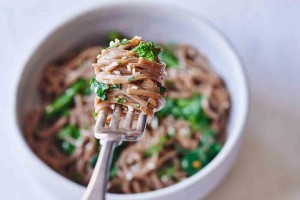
<point x="110" y="137"/>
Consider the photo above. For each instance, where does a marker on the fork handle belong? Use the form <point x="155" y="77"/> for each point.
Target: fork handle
<point x="97" y="186"/>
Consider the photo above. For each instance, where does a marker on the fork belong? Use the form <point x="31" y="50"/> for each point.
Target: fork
<point x="110" y="137"/>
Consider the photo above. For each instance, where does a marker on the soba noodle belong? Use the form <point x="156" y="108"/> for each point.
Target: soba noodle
<point x="127" y="78"/>
<point x="181" y="139"/>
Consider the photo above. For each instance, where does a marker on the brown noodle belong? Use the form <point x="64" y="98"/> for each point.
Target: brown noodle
<point x="139" y="79"/>
<point x="193" y="75"/>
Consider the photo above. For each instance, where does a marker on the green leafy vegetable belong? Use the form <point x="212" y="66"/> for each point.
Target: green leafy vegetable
<point x="65" y="100"/>
<point x="163" y="140"/>
<point x="99" y="88"/>
<point x="112" y="35"/>
<point x="157" y="148"/>
<point x="117" y="153"/>
<point x="93" y="161"/>
<point x="147" y="50"/>
<point x="94" y="114"/>
<point x="120" y="100"/>
<point x="188" y="161"/>
<point x="194" y="160"/>
<point x="69" y="131"/>
<point x="65" y="113"/>
<point x="168" y="109"/>
<point x="187" y="109"/>
<point x="116" y="86"/>
<point x="162" y="89"/>
<point x="168" y="171"/>
<point x="66" y="134"/>
<point x="67" y="148"/>
<point x="168" y="56"/>
<point x="131" y="78"/>
<point x="87" y="91"/>
<point x="113" y="172"/>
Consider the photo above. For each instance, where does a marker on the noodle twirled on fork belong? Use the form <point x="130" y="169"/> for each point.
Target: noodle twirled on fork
<point x="182" y="138"/>
<point x="129" y="73"/>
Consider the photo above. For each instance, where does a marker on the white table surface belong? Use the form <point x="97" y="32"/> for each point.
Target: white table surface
<point x="266" y="33"/>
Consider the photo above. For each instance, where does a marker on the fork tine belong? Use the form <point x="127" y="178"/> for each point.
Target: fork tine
<point x="128" y="130"/>
<point x="128" y="120"/>
<point x="141" y="123"/>
<point x="100" y="122"/>
<point x="116" y="116"/>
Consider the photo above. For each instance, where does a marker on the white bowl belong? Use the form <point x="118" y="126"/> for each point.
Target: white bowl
<point x="155" y="23"/>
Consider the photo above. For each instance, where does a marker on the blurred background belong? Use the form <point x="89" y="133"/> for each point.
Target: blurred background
<point x="266" y="35"/>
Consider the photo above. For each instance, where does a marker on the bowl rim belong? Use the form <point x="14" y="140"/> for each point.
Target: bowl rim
<point x="210" y="167"/>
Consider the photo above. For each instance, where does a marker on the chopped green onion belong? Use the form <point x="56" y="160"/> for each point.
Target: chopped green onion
<point x="116" y="86"/>
<point x="94" y="114"/>
<point x="131" y="78"/>
<point x="120" y="100"/>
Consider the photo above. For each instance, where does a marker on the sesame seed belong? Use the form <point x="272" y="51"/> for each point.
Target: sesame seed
<point x="117" y="72"/>
<point x="129" y="176"/>
<point x="128" y="68"/>
<point x="150" y="165"/>
<point x="137" y="37"/>
<point x="114" y="64"/>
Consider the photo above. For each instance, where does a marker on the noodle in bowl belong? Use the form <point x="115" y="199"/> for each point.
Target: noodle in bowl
<point x="116" y="17"/>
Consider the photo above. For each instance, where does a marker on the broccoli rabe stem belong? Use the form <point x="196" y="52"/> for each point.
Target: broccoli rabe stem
<point x="63" y="101"/>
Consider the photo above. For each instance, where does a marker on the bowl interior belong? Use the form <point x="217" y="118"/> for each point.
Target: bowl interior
<point x="163" y="25"/>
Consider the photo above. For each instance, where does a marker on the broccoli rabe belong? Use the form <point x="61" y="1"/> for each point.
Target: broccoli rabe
<point x="147" y="50"/>
<point x="99" y="88"/>
<point x="64" y="101"/>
